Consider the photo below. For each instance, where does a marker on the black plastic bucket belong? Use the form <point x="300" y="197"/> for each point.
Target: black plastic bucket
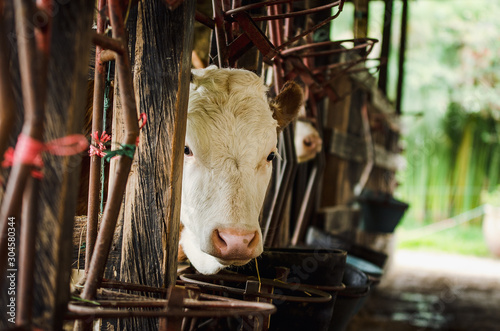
<point x="350" y="301"/>
<point x="319" y="238"/>
<point x="380" y="212"/>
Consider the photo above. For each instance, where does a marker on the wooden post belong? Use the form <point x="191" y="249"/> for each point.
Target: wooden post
<point x="161" y="43"/>
<point x="360" y="18"/>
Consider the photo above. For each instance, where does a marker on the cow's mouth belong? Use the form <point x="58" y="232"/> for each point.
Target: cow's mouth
<point x="228" y="263"/>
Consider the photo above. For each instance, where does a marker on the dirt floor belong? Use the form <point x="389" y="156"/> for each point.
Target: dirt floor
<point x="434" y="291"/>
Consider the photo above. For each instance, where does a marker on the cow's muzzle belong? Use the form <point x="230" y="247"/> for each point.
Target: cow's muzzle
<point x="236" y="245"/>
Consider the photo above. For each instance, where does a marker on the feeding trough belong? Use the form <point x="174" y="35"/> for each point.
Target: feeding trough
<point x="318" y="238"/>
<point x="250" y="288"/>
<point x="311" y="268"/>
<point x="380" y="212"/>
<point x="350" y="301"/>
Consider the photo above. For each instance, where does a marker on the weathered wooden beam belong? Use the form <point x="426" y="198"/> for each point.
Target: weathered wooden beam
<point x="353" y="148"/>
<point x="360" y="18"/>
<point x="161" y="62"/>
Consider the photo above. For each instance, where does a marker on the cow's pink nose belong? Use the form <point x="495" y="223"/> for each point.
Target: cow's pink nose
<point x="231" y="244"/>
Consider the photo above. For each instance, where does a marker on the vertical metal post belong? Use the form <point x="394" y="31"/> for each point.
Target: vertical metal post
<point x="95" y="161"/>
<point x="386" y="46"/>
<point x="402" y="50"/>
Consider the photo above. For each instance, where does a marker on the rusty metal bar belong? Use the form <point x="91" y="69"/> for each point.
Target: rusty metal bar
<point x="106" y="42"/>
<point x="256" y="5"/>
<point x="277" y="16"/>
<point x="386" y="45"/>
<point x="276" y="34"/>
<point x="107" y="55"/>
<point x="132" y="287"/>
<point x="115" y="196"/>
<point x="360" y="43"/>
<point x="314" y="28"/>
<point x="95" y="161"/>
<point x="301" y="225"/>
<point x="256" y="35"/>
<point x="29" y="216"/>
<point x="7" y="111"/>
<point x="210" y="309"/>
<point x="206" y="282"/>
<point x="402" y="51"/>
<point x="175" y="307"/>
<point x="220" y="36"/>
<point x="204" y="19"/>
<point x="33" y="86"/>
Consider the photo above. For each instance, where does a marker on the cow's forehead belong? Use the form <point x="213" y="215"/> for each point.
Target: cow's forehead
<point x="228" y="112"/>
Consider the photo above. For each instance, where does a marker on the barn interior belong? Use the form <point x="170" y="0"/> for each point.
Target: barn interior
<point x="382" y="211"/>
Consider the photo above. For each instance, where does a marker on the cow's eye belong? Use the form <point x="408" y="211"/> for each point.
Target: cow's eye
<point x="188" y="151"/>
<point x="271" y="156"/>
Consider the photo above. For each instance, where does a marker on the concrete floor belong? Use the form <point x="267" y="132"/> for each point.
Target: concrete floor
<point x="434" y="291"/>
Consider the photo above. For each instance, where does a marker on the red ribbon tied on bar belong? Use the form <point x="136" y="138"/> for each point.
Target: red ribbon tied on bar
<point x="28" y="151"/>
<point x="99" y="147"/>
<point x="144" y="118"/>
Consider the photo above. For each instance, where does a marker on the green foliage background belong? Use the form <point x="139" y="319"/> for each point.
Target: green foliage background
<point x="451" y="106"/>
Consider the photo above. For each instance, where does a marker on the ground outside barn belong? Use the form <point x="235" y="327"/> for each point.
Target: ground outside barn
<point x="434" y="291"/>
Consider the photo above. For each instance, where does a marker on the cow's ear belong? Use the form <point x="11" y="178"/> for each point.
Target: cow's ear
<point x="286" y="105"/>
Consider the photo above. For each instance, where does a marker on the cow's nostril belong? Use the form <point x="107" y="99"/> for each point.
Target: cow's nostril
<point x="218" y="241"/>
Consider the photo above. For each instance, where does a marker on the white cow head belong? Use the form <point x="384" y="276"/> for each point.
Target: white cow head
<point x="231" y="140"/>
<point x="307" y="141"/>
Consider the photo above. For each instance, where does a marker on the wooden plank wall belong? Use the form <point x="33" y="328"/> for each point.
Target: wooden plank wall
<point x="346" y="150"/>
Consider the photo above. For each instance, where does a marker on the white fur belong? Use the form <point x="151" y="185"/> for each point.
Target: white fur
<point x="231" y="131"/>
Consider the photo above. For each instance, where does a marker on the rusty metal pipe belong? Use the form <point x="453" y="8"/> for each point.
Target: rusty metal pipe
<point x="6" y="97"/>
<point x="107" y="55"/>
<point x="27" y="252"/>
<point x="204" y="19"/>
<point x="314" y="28"/>
<point x="33" y="86"/>
<point x="360" y="43"/>
<point x="95" y="161"/>
<point x="294" y="14"/>
<point x="223" y="310"/>
<point x="29" y="218"/>
<point x="109" y="43"/>
<point x="110" y="217"/>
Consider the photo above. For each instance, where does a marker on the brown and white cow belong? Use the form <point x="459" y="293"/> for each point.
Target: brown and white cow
<point x="231" y="141"/>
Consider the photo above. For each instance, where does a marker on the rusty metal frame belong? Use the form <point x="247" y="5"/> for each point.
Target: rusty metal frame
<point x="253" y="285"/>
<point x="22" y="188"/>
<point x="110" y="216"/>
<point x="182" y="302"/>
<point x="97" y="126"/>
<point x="7" y="110"/>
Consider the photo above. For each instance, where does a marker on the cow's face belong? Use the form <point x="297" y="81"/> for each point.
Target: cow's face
<point x="230" y="144"/>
